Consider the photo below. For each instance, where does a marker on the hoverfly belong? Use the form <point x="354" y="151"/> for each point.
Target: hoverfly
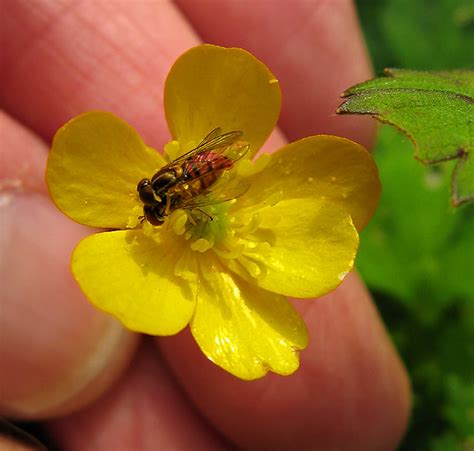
<point x="186" y="181"/>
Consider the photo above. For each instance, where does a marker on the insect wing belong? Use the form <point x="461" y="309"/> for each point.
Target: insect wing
<point x="212" y="161"/>
<point x="234" y="151"/>
<point x="214" y="141"/>
<point x="211" y="135"/>
<point x="218" y="141"/>
<point x="222" y="193"/>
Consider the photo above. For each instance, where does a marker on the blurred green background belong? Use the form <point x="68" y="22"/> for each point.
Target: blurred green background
<point x="417" y="255"/>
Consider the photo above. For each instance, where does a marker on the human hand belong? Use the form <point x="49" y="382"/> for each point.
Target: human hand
<point x="58" y="354"/>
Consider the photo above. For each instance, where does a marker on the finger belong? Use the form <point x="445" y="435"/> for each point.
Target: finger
<point x="149" y="19"/>
<point x="57" y="63"/>
<point x="56" y="351"/>
<point x="63" y="58"/>
<point x="23" y="159"/>
<point x="351" y="391"/>
<point x="145" y="410"/>
<point x="313" y="47"/>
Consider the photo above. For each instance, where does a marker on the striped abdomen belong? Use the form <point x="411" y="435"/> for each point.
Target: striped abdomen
<point x="204" y="169"/>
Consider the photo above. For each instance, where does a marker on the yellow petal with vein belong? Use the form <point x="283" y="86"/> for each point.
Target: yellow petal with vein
<point x="95" y="163"/>
<point x="135" y="278"/>
<point x="211" y="86"/>
<point x="306" y="248"/>
<point x="322" y="167"/>
<point x="246" y="330"/>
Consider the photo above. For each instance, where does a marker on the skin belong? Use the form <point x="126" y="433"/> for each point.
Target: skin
<point x="58" y="355"/>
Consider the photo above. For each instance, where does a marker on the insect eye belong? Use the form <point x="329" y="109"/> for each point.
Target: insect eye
<point x="153" y="216"/>
<point x="163" y="180"/>
<point x="146" y="193"/>
<point x="142" y="183"/>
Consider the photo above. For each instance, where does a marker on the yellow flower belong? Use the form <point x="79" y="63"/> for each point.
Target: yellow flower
<point x="294" y="232"/>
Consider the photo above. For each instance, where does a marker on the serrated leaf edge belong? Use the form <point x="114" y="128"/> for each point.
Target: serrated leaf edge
<point x="460" y="154"/>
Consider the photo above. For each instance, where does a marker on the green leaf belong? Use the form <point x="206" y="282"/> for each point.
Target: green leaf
<point x="434" y="109"/>
<point x="417" y="248"/>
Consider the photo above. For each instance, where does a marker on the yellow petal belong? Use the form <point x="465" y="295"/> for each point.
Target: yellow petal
<point x="323" y="167"/>
<point x="305" y="248"/>
<point x="134" y="278"/>
<point x="246" y="330"/>
<point x="93" y="169"/>
<point x="210" y="86"/>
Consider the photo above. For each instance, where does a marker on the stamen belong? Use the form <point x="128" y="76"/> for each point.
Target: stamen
<point x="202" y="245"/>
<point x="252" y="245"/>
<point x="252" y="267"/>
<point x="251" y="225"/>
<point x="229" y="248"/>
<point x="178" y="220"/>
<point x="134" y="218"/>
<point x="246" y="167"/>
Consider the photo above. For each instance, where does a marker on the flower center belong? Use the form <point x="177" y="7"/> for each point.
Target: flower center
<point x="235" y="236"/>
<point x="202" y="227"/>
<point x="246" y="244"/>
<point x="237" y="241"/>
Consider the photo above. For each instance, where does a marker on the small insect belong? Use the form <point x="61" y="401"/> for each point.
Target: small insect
<point x="186" y="181"/>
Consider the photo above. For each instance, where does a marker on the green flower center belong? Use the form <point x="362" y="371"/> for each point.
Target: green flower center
<point x="202" y="227"/>
<point x="211" y="222"/>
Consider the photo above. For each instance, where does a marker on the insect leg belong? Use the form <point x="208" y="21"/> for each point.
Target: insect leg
<point x="168" y="205"/>
<point x="204" y="213"/>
